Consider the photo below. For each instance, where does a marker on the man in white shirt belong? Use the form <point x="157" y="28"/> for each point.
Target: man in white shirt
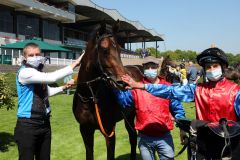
<point x="33" y="131"/>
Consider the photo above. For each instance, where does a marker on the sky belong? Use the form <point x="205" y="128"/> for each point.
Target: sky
<point x="186" y="24"/>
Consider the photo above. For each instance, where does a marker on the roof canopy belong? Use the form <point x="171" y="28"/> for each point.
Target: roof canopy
<point x="89" y="14"/>
<point x="44" y="46"/>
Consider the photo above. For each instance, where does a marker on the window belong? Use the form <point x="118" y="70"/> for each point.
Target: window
<point x="28" y="25"/>
<point x="6" y="20"/>
<point x="51" y="30"/>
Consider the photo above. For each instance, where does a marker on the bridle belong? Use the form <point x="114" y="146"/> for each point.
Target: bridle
<point x="103" y="77"/>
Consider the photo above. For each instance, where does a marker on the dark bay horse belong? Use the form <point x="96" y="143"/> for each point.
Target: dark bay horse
<point x="233" y="72"/>
<point x="94" y="103"/>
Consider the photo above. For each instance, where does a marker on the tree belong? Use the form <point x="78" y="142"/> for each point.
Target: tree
<point x="6" y="94"/>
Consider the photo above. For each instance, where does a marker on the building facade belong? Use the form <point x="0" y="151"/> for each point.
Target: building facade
<point x="54" y="21"/>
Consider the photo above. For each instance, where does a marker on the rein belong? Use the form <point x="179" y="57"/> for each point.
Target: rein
<point x="94" y="99"/>
<point x="104" y="77"/>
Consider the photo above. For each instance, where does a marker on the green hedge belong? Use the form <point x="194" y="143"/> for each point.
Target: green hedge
<point x="11" y="80"/>
<point x="6" y="93"/>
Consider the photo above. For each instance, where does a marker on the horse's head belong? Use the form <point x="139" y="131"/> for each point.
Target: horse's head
<point x="103" y="52"/>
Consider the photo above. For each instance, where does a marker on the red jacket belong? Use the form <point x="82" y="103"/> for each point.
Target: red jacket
<point x="216" y="100"/>
<point x="153" y="115"/>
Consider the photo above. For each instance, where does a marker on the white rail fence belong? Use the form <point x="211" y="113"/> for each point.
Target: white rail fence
<point x="17" y="58"/>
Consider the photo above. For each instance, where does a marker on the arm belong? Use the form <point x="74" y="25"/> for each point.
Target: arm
<point x="198" y="77"/>
<point x="124" y="98"/>
<point x="179" y="113"/>
<point x="179" y="92"/>
<point x="55" y="90"/>
<point x="182" y="93"/>
<point x="177" y="109"/>
<point x="31" y="75"/>
<point x="237" y="104"/>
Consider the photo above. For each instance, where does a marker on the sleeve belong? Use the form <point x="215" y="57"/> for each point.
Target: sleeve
<point x="124" y="98"/>
<point x="54" y="90"/>
<point x="183" y="93"/>
<point x="177" y="109"/>
<point x="237" y="104"/>
<point x="189" y="70"/>
<point x="31" y="75"/>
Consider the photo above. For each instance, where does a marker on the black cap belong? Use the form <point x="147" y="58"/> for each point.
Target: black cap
<point x="212" y="55"/>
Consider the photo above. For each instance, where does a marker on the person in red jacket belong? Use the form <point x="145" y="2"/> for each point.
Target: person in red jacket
<point x="154" y="115"/>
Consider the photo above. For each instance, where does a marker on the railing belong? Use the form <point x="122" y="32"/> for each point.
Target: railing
<point x="60" y="61"/>
<point x="129" y="54"/>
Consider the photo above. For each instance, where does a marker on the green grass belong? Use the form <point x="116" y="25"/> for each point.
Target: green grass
<point x="67" y="143"/>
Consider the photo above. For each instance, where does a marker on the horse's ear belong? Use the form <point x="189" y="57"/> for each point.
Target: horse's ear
<point x="116" y="26"/>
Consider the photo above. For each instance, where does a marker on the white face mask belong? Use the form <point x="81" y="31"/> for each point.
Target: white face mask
<point x="35" y="61"/>
<point x="214" y="75"/>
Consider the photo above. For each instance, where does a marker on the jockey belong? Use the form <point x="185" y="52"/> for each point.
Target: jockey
<point x="214" y="99"/>
<point x="154" y="115"/>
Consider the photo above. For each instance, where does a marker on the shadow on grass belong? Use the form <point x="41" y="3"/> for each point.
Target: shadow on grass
<point x="6" y="141"/>
<point x="127" y="157"/>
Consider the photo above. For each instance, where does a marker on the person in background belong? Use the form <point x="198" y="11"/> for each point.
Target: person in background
<point x="33" y="131"/>
<point x="200" y="74"/>
<point x="183" y="73"/>
<point x="175" y="74"/>
<point x="192" y="73"/>
<point x="154" y="116"/>
<point x="214" y="99"/>
<point x="65" y="80"/>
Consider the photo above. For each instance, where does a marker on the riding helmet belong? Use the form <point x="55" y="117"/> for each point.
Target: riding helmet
<point x="212" y="55"/>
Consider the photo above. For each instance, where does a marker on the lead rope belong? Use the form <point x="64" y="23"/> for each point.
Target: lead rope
<point x="100" y="123"/>
<point x="99" y="117"/>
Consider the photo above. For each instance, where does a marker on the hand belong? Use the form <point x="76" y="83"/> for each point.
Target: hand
<point x="131" y="82"/>
<point x="80" y="58"/>
<point x="77" y="62"/>
<point x="183" y="137"/>
<point x="69" y="84"/>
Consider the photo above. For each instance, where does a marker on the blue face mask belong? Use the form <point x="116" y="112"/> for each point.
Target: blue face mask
<point x="214" y="75"/>
<point x="151" y="73"/>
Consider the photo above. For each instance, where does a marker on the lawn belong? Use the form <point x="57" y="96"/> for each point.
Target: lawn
<point x="67" y="143"/>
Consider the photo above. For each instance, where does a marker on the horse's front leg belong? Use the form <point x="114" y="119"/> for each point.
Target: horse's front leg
<point x="88" y="138"/>
<point x="110" y="142"/>
<point x="132" y="133"/>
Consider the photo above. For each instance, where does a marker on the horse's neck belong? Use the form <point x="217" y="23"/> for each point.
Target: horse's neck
<point x="88" y="70"/>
